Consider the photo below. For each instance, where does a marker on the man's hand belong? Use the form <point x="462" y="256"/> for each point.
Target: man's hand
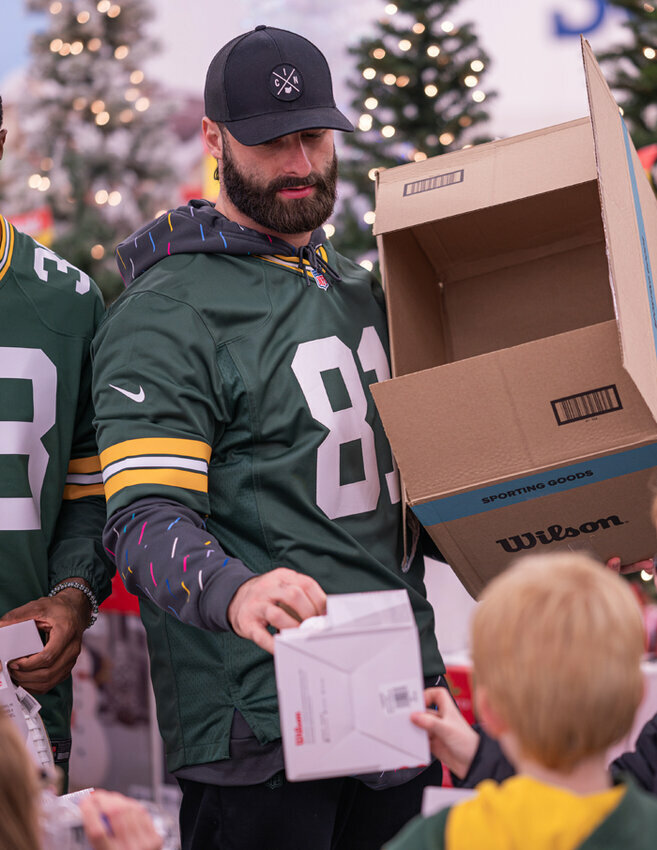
<point x="282" y="598"/>
<point x="63" y="618"/>
<point x="451" y="738"/>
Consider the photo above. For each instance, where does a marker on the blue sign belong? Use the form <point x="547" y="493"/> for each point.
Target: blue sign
<point x="567" y="24"/>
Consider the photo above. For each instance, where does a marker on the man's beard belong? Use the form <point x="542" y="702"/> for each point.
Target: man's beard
<point x="261" y="204"/>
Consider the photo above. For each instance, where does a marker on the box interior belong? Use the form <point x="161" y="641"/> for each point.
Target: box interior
<point x="497" y="277"/>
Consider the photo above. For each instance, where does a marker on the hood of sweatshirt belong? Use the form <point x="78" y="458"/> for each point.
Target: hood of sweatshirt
<point x="523" y="812"/>
<point x="197" y="227"/>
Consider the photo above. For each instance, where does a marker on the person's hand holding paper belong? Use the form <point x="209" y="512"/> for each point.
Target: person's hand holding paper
<point x="347" y="685"/>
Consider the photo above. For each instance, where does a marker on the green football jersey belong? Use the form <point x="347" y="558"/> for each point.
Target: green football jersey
<point x="51" y="510"/>
<point x="238" y="386"/>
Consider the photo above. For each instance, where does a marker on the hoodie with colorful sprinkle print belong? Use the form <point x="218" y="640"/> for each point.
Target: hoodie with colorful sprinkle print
<point x="238" y="434"/>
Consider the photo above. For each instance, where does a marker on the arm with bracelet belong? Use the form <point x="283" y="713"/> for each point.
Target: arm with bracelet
<point x="77" y="584"/>
<point x="79" y="570"/>
<point x="70" y="607"/>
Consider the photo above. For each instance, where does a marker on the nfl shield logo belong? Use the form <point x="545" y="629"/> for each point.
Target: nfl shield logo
<point x="319" y="279"/>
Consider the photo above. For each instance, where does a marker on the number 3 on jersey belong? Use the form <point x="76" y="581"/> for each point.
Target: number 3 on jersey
<point x="346" y="425"/>
<point x="24" y="438"/>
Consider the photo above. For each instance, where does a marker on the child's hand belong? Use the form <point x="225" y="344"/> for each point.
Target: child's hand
<point x="451" y="738"/>
<point x="617" y="567"/>
<point x="625" y="569"/>
<point x="114" y="822"/>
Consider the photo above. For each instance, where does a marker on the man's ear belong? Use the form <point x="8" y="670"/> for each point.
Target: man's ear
<point x="213" y="139"/>
<point x="3" y="136"/>
<point x="492" y="721"/>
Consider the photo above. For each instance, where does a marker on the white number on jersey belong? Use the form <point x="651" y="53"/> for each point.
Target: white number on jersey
<point x="346" y="425"/>
<point x="372" y="356"/>
<point x="42" y="254"/>
<point x="24" y="438"/>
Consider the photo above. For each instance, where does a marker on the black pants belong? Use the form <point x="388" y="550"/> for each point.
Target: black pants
<point x="327" y="814"/>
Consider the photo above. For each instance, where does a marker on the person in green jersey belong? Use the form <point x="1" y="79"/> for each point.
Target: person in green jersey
<point x="52" y="565"/>
<point x="246" y="470"/>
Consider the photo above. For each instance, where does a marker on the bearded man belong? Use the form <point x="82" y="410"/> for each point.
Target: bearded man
<point x="246" y="470"/>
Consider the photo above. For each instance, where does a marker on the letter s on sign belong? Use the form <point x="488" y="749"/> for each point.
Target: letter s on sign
<point x="564" y="28"/>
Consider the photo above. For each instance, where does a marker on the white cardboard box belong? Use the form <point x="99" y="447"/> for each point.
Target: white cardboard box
<point x="347" y="683"/>
<point x="16" y="641"/>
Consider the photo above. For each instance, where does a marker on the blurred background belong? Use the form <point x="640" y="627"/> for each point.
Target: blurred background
<point x="103" y="98"/>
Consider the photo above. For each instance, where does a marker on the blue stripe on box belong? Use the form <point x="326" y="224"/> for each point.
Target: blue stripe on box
<point x="536" y="486"/>
<point x="647" y="267"/>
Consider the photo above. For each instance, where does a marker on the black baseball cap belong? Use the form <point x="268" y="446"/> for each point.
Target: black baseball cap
<point x="270" y="82"/>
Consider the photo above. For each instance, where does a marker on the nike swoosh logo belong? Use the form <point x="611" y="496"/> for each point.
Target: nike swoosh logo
<point x="138" y="397"/>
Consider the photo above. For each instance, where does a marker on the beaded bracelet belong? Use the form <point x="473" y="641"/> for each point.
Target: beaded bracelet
<point x="87" y="592"/>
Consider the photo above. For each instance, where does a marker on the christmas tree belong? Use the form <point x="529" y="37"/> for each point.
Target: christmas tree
<point x="631" y="69"/>
<point x="93" y="143"/>
<point x="418" y="93"/>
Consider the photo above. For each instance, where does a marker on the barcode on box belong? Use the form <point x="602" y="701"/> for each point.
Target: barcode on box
<point x="438" y="181"/>
<point x="398" y="697"/>
<point x="401" y="697"/>
<point x="574" y="408"/>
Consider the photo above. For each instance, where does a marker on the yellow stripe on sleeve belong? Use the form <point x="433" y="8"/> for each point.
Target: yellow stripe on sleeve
<point x="155" y="446"/>
<point x="167" y="477"/>
<point x="6" y="251"/>
<point x="79" y="491"/>
<point x="80" y="465"/>
<point x="292" y="265"/>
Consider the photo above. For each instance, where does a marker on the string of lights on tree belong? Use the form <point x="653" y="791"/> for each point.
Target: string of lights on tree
<point x="93" y="140"/>
<point x="419" y="93"/>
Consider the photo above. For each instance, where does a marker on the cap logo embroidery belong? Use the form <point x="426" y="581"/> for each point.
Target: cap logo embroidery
<point x="286" y="83"/>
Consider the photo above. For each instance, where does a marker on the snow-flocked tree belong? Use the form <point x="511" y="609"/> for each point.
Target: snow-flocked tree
<point x="94" y="142"/>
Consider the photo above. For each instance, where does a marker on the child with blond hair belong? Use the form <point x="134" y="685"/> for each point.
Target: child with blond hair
<point x="556" y="646"/>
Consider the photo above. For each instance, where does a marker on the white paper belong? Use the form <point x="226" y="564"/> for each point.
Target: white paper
<point x="435" y="799"/>
<point x="347" y="686"/>
<point x="16" y="641"/>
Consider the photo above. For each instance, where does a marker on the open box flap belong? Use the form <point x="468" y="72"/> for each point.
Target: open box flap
<point x="484" y="176"/>
<point x="629" y="211"/>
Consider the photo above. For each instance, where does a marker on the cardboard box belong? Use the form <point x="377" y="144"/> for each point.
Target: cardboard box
<point x="523" y="323"/>
<point x="347" y="683"/>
